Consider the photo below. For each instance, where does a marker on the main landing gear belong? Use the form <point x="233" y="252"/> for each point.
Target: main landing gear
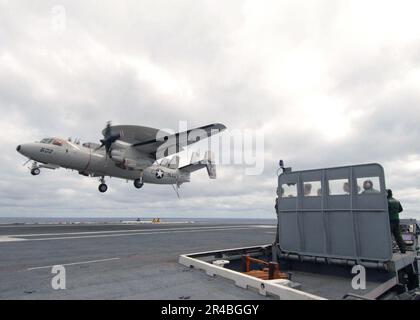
<point x="138" y="183"/>
<point x="102" y="187"/>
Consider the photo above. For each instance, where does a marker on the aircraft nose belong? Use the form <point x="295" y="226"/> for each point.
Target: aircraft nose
<point x="23" y="149"/>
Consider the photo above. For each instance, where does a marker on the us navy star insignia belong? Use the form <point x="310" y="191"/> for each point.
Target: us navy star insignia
<point x="159" y="174"/>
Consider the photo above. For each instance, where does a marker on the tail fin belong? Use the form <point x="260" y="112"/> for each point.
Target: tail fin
<point x="173" y="163"/>
<point x="210" y="165"/>
<point x="195" y="165"/>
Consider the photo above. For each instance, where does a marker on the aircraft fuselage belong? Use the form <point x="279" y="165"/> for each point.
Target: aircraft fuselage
<point x="93" y="162"/>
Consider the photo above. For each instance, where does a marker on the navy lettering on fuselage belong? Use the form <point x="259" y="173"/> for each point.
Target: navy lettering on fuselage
<point x="46" y="150"/>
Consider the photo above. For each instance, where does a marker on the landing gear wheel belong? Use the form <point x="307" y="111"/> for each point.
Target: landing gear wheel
<point x="138" y="183"/>
<point x="35" y="171"/>
<point x="102" y="187"/>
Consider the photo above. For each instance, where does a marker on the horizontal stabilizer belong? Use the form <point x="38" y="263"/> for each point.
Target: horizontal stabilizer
<point x="196" y="164"/>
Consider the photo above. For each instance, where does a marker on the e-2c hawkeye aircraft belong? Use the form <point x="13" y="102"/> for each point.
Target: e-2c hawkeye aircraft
<point x="126" y="152"/>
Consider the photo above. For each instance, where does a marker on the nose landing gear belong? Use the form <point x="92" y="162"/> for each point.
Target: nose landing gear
<point x="35" y="169"/>
<point x="102" y="187"/>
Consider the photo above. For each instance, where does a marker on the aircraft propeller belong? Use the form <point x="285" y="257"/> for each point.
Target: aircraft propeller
<point x="109" y="138"/>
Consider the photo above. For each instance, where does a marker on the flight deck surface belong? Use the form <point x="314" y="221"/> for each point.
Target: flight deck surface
<point x="120" y="260"/>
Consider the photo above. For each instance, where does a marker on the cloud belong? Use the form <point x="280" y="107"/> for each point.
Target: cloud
<point x="327" y="83"/>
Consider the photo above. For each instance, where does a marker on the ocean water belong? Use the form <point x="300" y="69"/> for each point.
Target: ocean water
<point x="64" y="220"/>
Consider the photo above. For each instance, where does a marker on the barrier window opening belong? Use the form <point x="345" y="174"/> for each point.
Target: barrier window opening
<point x="338" y="187"/>
<point x="312" y="189"/>
<point x="368" y="185"/>
<point x="288" y="190"/>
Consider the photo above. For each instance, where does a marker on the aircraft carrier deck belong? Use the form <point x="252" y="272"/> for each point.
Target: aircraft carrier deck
<point x="120" y="260"/>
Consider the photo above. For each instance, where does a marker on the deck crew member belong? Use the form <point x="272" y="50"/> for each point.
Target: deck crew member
<point x="277" y="213"/>
<point x="394" y="208"/>
<point x="368" y="187"/>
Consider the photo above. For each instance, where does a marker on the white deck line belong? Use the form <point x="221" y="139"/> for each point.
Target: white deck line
<point x="9" y="239"/>
<point x="129" y="234"/>
<point x="73" y="263"/>
<point x="130" y="231"/>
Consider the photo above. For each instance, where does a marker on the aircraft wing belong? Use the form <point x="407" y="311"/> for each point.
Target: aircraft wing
<point x="135" y="134"/>
<point x="164" y="145"/>
<point x="160" y="143"/>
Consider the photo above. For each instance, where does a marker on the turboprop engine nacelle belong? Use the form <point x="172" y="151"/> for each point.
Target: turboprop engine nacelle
<point x="119" y="157"/>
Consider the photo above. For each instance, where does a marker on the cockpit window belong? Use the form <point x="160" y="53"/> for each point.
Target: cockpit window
<point x="46" y="140"/>
<point x="57" y="142"/>
<point x="53" y="141"/>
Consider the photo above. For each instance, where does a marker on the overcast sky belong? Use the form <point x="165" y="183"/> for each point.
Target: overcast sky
<point x="328" y="83"/>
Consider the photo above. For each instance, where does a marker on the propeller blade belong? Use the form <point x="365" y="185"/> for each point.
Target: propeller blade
<point x="107" y="132"/>
<point x="109" y="138"/>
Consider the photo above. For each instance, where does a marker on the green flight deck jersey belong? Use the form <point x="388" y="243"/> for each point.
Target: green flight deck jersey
<point x="394" y="208"/>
